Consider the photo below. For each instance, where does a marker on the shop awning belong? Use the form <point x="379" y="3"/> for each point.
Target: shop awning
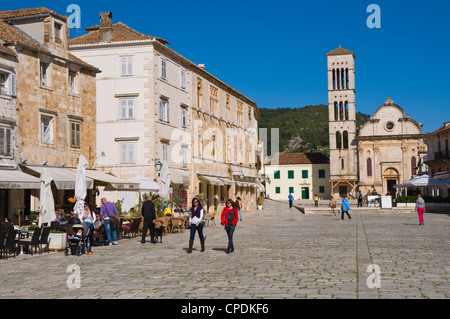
<point x="16" y="179"/>
<point x="63" y="177"/>
<point x="105" y="179"/>
<point x="178" y="176"/>
<point x="227" y="181"/>
<point x="212" y="180"/>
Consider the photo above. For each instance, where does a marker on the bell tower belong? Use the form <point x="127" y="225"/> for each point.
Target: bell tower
<point x="342" y="122"/>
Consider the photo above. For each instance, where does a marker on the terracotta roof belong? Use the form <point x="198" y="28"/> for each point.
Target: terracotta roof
<point x="10" y="35"/>
<point x="28" y="12"/>
<point x="301" y="158"/>
<point x="444" y="128"/>
<point x="6" y="50"/>
<point x="121" y="33"/>
<point x="340" y="51"/>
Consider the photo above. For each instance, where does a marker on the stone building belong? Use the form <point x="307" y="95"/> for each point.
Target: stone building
<point x="386" y="151"/>
<point x="55" y="94"/>
<point x="438" y="157"/>
<point x="153" y="103"/>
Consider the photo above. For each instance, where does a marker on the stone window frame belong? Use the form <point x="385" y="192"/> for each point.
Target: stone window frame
<point x="48" y="73"/>
<point x="387" y="128"/>
<point x="4" y="129"/>
<point x="43" y="113"/>
<point x="58" y="40"/>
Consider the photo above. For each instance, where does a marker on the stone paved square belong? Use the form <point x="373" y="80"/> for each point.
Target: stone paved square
<point x="279" y="253"/>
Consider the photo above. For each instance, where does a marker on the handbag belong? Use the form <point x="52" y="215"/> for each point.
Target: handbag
<point x="112" y="218"/>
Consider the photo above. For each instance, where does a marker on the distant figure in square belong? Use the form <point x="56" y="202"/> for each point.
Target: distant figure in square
<point x="345" y="208"/>
<point x="291" y="200"/>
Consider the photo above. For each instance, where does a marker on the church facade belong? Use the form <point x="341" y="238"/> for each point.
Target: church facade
<point x="388" y="148"/>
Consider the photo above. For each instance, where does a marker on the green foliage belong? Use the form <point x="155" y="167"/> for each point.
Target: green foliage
<point x="427" y="199"/>
<point x="303" y="129"/>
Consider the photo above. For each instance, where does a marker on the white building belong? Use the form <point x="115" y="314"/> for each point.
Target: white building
<point x="301" y="174"/>
<point x="148" y="99"/>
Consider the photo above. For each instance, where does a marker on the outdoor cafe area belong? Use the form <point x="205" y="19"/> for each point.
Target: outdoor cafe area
<point x="29" y="238"/>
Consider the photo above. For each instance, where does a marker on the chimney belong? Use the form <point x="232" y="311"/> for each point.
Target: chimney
<point x="106" y="28"/>
<point x="201" y="66"/>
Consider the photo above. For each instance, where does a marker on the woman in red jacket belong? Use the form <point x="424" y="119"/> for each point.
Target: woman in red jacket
<point x="229" y="220"/>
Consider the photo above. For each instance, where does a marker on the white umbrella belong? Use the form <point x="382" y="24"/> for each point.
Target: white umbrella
<point x="165" y="181"/>
<point x="46" y="201"/>
<point x="424" y="181"/>
<point x="80" y="186"/>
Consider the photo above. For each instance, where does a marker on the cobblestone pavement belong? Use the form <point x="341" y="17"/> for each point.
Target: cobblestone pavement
<point x="279" y="253"/>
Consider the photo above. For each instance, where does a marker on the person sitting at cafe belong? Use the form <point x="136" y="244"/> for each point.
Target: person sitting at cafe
<point x="179" y="210"/>
<point x="62" y="220"/>
<point x="74" y="220"/>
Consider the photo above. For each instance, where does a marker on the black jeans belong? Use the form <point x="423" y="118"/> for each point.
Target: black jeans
<point x="230" y="232"/>
<point x="198" y="228"/>
<point x="148" y="223"/>
<point x="342" y="215"/>
<point x="359" y="202"/>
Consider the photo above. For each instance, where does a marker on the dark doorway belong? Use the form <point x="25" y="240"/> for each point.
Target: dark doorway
<point x="343" y="191"/>
<point x="390" y="186"/>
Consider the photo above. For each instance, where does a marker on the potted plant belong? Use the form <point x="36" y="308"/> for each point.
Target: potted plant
<point x="58" y="240"/>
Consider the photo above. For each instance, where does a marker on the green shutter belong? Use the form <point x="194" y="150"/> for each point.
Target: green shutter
<point x="321" y="173"/>
<point x="277" y="175"/>
<point x="291" y="190"/>
<point x="290" y="174"/>
<point x="277" y="190"/>
<point x="304" y="174"/>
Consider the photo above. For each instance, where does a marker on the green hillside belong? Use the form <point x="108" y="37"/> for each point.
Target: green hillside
<point x="302" y="129"/>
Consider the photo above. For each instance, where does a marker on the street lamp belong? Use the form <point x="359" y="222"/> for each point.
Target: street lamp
<point x="158" y="166"/>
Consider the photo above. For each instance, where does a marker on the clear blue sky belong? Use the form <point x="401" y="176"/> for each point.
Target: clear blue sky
<point x="274" y="51"/>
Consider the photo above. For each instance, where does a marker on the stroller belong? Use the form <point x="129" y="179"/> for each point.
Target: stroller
<point x="78" y="243"/>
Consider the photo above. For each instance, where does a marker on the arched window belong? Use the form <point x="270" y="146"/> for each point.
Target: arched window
<point x="369" y="167"/>
<point x="338" y="79"/>
<point x="341" y="110"/>
<point x="338" y="140"/>
<point x="346" y="78"/>
<point x="413" y="166"/>
<point x="336" y="111"/>
<point x="345" y="139"/>
<point x="343" y="79"/>
<point x="334" y="79"/>
<point x="346" y="110"/>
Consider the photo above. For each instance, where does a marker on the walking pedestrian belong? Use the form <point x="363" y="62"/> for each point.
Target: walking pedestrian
<point x="107" y="211"/>
<point x="360" y="199"/>
<point x="239" y="201"/>
<point x="316" y="200"/>
<point x="148" y="211"/>
<point x="420" y="208"/>
<point x="332" y="205"/>
<point x="196" y="224"/>
<point x="291" y="200"/>
<point x="345" y="208"/>
<point x="229" y="219"/>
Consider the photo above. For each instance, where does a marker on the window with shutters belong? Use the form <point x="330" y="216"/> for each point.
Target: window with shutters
<point x="46" y="130"/>
<point x="164" y="152"/>
<point x="4" y="83"/>
<point x="5" y="141"/>
<point x="164" y="110"/>
<point x="183" y="78"/>
<point x="72" y="82"/>
<point x="291" y="190"/>
<point x="127" y="109"/>
<point x="127" y="65"/>
<point x="184" y="155"/>
<point x="183" y="117"/>
<point x="290" y="174"/>
<point x="75" y="134"/>
<point x="276" y="175"/>
<point x="304" y="174"/>
<point x="44" y="74"/>
<point x="127" y="153"/>
<point x="321" y="173"/>
<point x="163" y="69"/>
